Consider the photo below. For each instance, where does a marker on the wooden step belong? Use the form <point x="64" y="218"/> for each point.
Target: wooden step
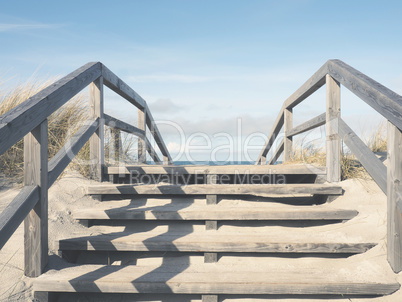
<point x="283" y="279"/>
<point x="219" y="170"/>
<point x="211" y="241"/>
<point x="256" y="190"/>
<point x="188" y="211"/>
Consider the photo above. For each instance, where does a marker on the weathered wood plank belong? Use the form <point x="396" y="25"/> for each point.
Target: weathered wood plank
<point x="394" y="196"/>
<point x="219" y="170"/>
<point x="333" y="142"/>
<point x="123" y="126"/>
<point x="115" y="151"/>
<point x="210" y="298"/>
<point x="366" y="157"/>
<point x="16" y="211"/>
<point x="157" y="136"/>
<point x="287" y="140"/>
<point x="212" y="199"/>
<point x="315" y="82"/>
<point x="121" y="88"/>
<point x="215" y="213"/>
<point x="142" y="117"/>
<point x="65" y="155"/>
<point x="258" y="190"/>
<point x="23" y="118"/>
<point x="96" y="143"/>
<point x="272" y="136"/>
<point x="310" y="124"/>
<point x="209" y="242"/>
<point x="277" y="153"/>
<point x="382" y="99"/>
<point x="36" y="222"/>
<point x="312" y="278"/>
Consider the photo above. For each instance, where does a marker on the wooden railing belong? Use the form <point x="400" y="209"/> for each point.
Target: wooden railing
<point x="29" y="121"/>
<point x="335" y="73"/>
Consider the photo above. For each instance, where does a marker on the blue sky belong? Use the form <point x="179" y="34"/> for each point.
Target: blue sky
<point x="205" y="64"/>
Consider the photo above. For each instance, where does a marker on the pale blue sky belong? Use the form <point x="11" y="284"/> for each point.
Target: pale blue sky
<point x="203" y="64"/>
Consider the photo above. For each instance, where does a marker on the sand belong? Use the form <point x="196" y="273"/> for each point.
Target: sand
<point x="67" y="194"/>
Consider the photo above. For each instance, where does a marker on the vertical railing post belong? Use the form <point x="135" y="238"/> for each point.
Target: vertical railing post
<point x="263" y="160"/>
<point x="116" y="147"/>
<point x="287" y="141"/>
<point x="36" y="223"/>
<point x="333" y="141"/>
<point x="142" y="124"/>
<point x="97" y="148"/>
<point x="394" y="196"/>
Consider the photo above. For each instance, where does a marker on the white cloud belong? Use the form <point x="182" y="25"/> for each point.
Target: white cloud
<point x="7" y="27"/>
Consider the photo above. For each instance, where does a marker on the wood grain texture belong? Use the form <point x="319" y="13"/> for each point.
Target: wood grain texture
<point x="394" y="196"/>
<point x="219" y="170"/>
<point x="121" y="88"/>
<point x="277" y="153"/>
<point x="376" y="169"/>
<point x="382" y="99"/>
<point x="313" y="279"/>
<point x="15" y="213"/>
<point x="309" y="125"/>
<point x="123" y="126"/>
<point x="212" y="199"/>
<point x="333" y="142"/>
<point x="142" y="145"/>
<point x="287" y="140"/>
<point x="96" y="142"/>
<point x="23" y="118"/>
<point x="65" y="155"/>
<point x="209" y="298"/>
<point x="36" y="222"/>
<point x="218" y="212"/>
<point x="257" y="190"/>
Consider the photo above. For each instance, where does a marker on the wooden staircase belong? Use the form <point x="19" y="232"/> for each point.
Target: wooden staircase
<point x="213" y="240"/>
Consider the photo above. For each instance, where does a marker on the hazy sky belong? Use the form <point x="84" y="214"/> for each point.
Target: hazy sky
<point x="206" y="64"/>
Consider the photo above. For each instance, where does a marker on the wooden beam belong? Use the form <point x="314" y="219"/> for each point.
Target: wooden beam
<point x="15" y="213"/>
<point x="23" y="118"/>
<point x="123" y="126"/>
<point x="310" y="124"/>
<point x="333" y="142"/>
<point x="277" y="153"/>
<point x="36" y="222"/>
<point x="382" y="99"/>
<point x="271" y="137"/>
<point x="152" y="152"/>
<point x="121" y="88"/>
<point x="97" y="146"/>
<point x="315" y="82"/>
<point x="257" y="190"/>
<point x="65" y="155"/>
<point x="219" y="170"/>
<point x="142" y="145"/>
<point x="394" y="196"/>
<point x="116" y="147"/>
<point x="365" y="156"/>
<point x="287" y="140"/>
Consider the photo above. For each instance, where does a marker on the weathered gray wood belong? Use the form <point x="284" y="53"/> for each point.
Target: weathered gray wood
<point x="123" y="126"/>
<point x="116" y="151"/>
<point x="157" y="136"/>
<point x="365" y="156"/>
<point x="310" y="124"/>
<point x="258" y="190"/>
<point x="287" y="140"/>
<point x="121" y="88"/>
<point x="220" y="170"/>
<point x="311" y="278"/>
<point x="210" y="298"/>
<point x="16" y="211"/>
<point x="141" y="141"/>
<point x="315" y="82"/>
<point x="151" y="151"/>
<point x="65" y="155"/>
<point x="272" y="136"/>
<point x="211" y="225"/>
<point x="212" y="199"/>
<point x="333" y="142"/>
<point x="322" y="212"/>
<point x="23" y="118"/>
<point x="262" y="160"/>
<point x="382" y="99"/>
<point x="210" y="257"/>
<point x="394" y="196"/>
<point x="36" y="222"/>
<point x="97" y="146"/>
<point x="277" y="153"/>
